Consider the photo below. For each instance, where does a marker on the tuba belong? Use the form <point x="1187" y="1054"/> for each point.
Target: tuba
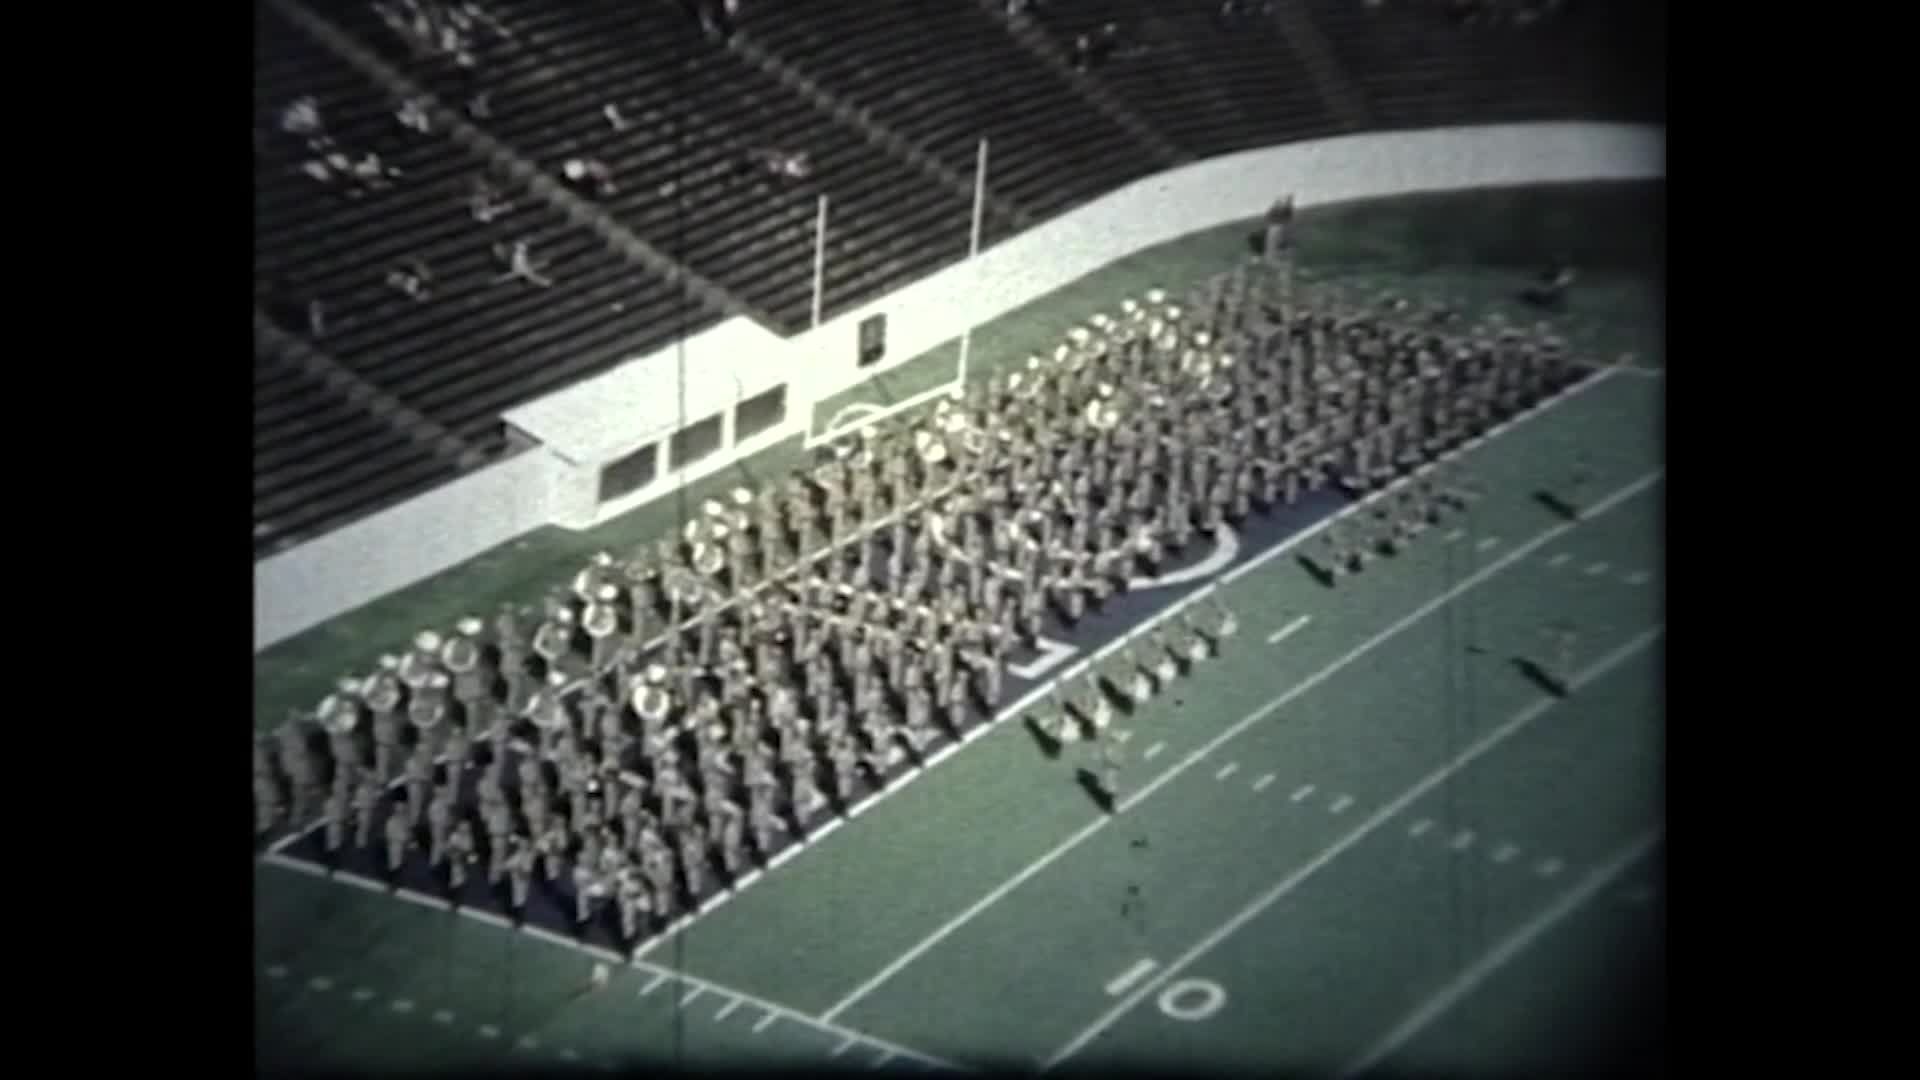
<point x="929" y="447"/>
<point x="428" y="710"/>
<point x="649" y="696"/>
<point x="339" y="713"/>
<point x="601" y="618"/>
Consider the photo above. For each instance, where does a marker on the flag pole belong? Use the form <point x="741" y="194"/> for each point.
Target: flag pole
<point x="819" y="259"/>
<point x="973" y="250"/>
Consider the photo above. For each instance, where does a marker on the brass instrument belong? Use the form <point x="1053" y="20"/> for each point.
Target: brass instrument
<point x="930" y="447"/>
<point x="709" y="559"/>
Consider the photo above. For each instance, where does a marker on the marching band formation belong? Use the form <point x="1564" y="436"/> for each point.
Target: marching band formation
<point x="678" y="716"/>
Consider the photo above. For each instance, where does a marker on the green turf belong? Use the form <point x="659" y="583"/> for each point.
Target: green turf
<point x="1026" y="975"/>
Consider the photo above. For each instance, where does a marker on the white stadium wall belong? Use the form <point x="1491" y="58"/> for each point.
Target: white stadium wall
<point x="644" y="401"/>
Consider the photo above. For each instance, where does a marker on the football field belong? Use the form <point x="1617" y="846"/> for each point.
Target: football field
<point x="1365" y="837"/>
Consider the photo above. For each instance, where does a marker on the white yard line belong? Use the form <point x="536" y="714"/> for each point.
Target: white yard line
<point x="1119" y="983"/>
<point x="1468" y="980"/>
<point x="1379" y="818"/>
<point x="1279" y="635"/>
<point x="1472" y="581"/>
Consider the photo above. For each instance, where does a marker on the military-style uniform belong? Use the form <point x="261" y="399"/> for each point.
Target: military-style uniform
<point x="399" y="837"/>
<point x="460" y="854"/>
<point x="520" y="871"/>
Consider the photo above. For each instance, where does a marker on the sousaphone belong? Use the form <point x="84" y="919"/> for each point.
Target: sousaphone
<point x="338" y="713"/>
<point x="649" y="695"/>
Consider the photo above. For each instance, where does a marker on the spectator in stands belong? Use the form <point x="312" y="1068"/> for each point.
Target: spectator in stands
<point x="614" y="118"/>
<point x="413" y="278"/>
<point x="1235" y="12"/>
<point x="413" y="115"/>
<point x="485" y="202"/>
<point x="302" y="119"/>
<point x="316" y="318"/>
<point x="717" y="17"/>
<point x="589" y="176"/>
<point x="518" y="259"/>
<point x="480" y="105"/>
<point x="784" y="165"/>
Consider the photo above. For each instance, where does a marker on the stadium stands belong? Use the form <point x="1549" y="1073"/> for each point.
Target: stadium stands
<point x="946" y="74"/>
<point x="1418" y="67"/>
<point x="887" y="98"/>
<point x="474" y="344"/>
<point x="319" y="461"/>
<point x="1211" y="85"/>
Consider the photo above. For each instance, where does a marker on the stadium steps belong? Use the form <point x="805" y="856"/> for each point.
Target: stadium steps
<point x="944" y="75"/>
<point x="1336" y="87"/>
<point x="379" y="404"/>
<point x="582" y="213"/>
<point x="319" y="463"/>
<point x="1216" y="87"/>
<point x="1084" y="84"/>
<point x="884" y="138"/>
<point x="478" y="346"/>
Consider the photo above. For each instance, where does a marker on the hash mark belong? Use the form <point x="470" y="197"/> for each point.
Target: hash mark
<point x="1227" y="770"/>
<point x="1548" y="867"/>
<point x="1420" y="827"/>
<point x="1488" y="543"/>
<point x="1263" y="782"/>
<point x="402" y="1005"/>
<point x="1340" y="804"/>
<point x="1154" y="749"/>
<point x="764" y="1021"/>
<point x="1304" y="791"/>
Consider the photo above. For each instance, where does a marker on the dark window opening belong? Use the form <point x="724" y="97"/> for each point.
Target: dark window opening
<point x="630" y="473"/>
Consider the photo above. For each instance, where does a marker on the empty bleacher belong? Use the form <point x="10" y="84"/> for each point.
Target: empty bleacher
<point x="1420" y="68"/>
<point x="944" y="73"/>
<point x="319" y="461"/>
<point x="1209" y="85"/>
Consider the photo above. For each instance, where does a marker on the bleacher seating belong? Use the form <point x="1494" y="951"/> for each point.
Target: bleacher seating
<point x="944" y="73"/>
<point x="319" y="461"/>
<point x="1419" y="67"/>
<point x="939" y="74"/>
<point x="478" y="345"/>
<point x="1211" y="87"/>
<point x="692" y="113"/>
